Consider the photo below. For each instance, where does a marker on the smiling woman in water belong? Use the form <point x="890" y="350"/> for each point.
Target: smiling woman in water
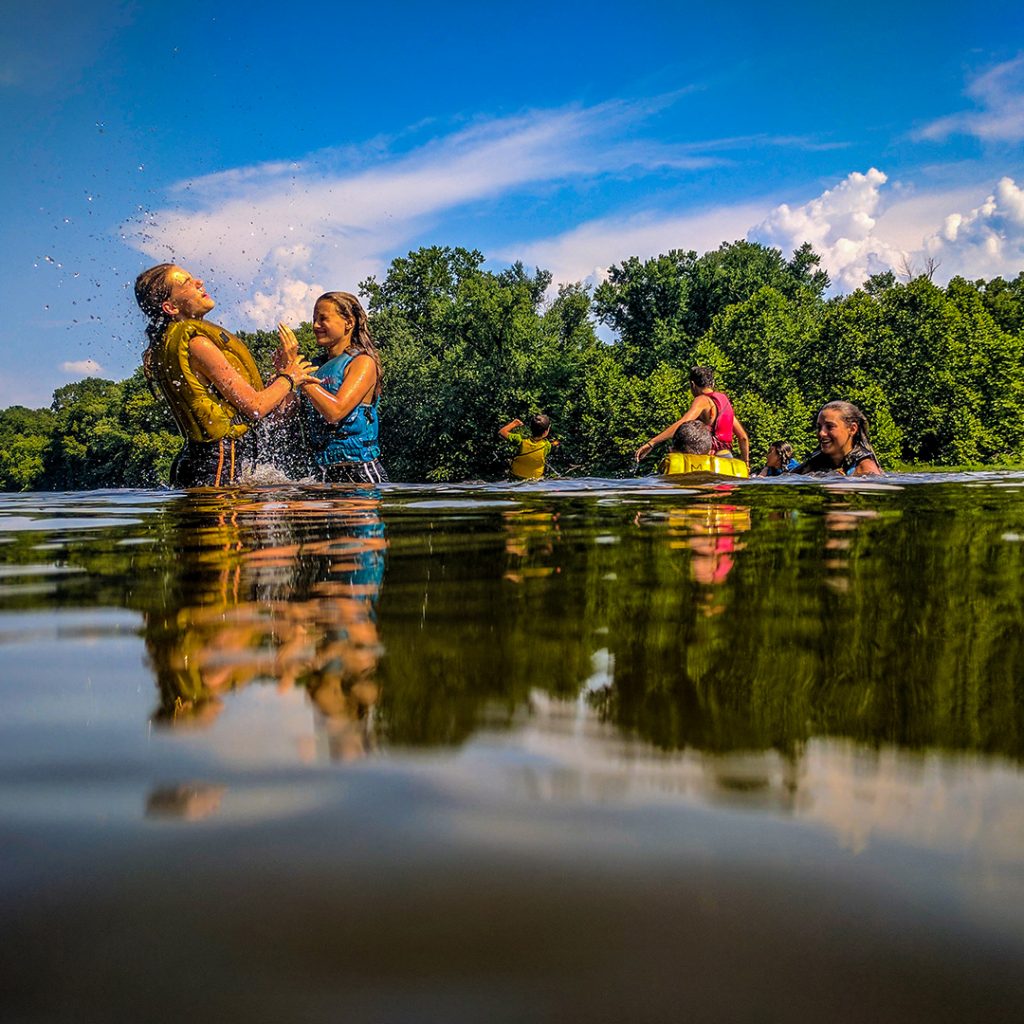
<point x="843" y="444"/>
<point x="208" y="378"/>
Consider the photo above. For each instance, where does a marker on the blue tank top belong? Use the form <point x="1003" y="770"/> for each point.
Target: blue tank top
<point x="352" y="439"/>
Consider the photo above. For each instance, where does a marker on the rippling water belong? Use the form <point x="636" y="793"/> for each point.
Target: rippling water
<point x="614" y="750"/>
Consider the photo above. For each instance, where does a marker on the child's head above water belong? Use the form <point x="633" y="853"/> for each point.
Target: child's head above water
<point x="539" y="425"/>
<point x="779" y="454"/>
<point x="692" y="438"/>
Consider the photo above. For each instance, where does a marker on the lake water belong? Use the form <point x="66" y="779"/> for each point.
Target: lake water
<point x="596" y="750"/>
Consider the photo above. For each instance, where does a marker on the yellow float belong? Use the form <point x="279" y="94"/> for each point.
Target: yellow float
<point x="676" y="464"/>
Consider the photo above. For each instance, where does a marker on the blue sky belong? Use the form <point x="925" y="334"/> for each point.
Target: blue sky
<point x="281" y="150"/>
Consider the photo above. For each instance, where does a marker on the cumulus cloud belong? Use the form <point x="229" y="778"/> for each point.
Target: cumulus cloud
<point x="276" y="232"/>
<point x="81" y="367"/>
<point x="999" y="98"/>
<point x="840" y="225"/>
<point x="861" y="226"/>
<point x="986" y="241"/>
<point x="858" y="232"/>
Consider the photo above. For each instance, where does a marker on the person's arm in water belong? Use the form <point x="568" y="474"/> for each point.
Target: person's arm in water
<point x="741" y="435"/>
<point x="697" y="406"/>
<point x="253" y="404"/>
<point x="508" y="428"/>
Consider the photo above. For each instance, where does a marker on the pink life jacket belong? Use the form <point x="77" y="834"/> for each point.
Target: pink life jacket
<point x="721" y="425"/>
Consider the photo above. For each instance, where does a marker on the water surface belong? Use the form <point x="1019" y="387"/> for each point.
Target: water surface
<point x="622" y="750"/>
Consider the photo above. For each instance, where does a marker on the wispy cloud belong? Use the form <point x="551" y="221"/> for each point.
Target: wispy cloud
<point x="280" y="232"/>
<point x="999" y="97"/>
<point x="586" y="252"/>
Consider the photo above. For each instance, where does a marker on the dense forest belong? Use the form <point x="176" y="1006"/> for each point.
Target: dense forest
<point x="938" y="371"/>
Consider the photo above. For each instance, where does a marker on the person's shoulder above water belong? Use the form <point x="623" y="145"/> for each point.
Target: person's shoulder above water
<point x="859" y="455"/>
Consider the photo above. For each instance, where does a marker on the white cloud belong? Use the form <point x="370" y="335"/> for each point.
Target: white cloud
<point x="271" y="237"/>
<point x="81" y="367"/>
<point x="862" y="226"/>
<point x="274" y="233"/>
<point x="988" y="240"/>
<point x="999" y="96"/>
<point x="859" y="232"/>
<point x="586" y="252"/>
<point x="840" y="225"/>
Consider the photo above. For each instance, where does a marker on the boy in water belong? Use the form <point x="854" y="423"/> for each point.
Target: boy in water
<point x="528" y="462"/>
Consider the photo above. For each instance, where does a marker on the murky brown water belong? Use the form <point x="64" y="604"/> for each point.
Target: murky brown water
<point x="600" y="750"/>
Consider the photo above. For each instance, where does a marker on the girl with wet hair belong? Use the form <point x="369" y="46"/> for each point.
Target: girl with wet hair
<point x="779" y="459"/>
<point x="340" y="398"/>
<point x="844" y="445"/>
<point x="208" y="378"/>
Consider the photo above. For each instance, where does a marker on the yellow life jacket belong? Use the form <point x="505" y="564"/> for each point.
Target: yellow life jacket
<point x="677" y="462"/>
<point x="528" y="462"/>
<point x="201" y="412"/>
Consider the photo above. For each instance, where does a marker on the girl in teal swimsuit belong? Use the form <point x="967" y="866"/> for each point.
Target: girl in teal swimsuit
<point x="340" y="398"/>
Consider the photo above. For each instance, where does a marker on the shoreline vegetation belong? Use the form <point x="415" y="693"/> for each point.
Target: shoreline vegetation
<point x="939" y="371"/>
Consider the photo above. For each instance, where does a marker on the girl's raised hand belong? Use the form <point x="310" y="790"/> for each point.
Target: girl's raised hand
<point x="289" y="346"/>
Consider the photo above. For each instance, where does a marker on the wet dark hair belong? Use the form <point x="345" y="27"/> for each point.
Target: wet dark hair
<point x="852" y="416"/>
<point x="702" y="376"/>
<point x="538" y="424"/>
<point x="152" y="290"/>
<point x="362" y="340"/>
<point x="784" y="450"/>
<point x="692" y="438"/>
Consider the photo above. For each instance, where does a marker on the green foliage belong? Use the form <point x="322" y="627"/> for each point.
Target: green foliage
<point x="938" y="372"/>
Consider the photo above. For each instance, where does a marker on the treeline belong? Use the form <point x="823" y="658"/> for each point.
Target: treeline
<point x="937" y="370"/>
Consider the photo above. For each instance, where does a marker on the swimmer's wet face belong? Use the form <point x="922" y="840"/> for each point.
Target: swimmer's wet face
<point x="333" y="329"/>
<point x="773" y="460"/>
<point x="835" y="436"/>
<point x="188" y="299"/>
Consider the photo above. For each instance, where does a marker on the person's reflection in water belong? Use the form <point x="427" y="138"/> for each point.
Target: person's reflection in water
<point x="530" y="537"/>
<point x="840" y="526"/>
<point x="712" y="534"/>
<point x="271" y="591"/>
<point x="191" y="801"/>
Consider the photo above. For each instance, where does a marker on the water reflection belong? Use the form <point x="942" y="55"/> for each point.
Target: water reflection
<point x="280" y="593"/>
<point x="817" y="783"/>
<point x="531" y="536"/>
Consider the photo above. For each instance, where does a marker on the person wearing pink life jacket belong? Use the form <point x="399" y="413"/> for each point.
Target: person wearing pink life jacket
<point x="714" y="410"/>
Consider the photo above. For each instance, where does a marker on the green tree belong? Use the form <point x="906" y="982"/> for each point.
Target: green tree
<point x="25" y="435"/>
